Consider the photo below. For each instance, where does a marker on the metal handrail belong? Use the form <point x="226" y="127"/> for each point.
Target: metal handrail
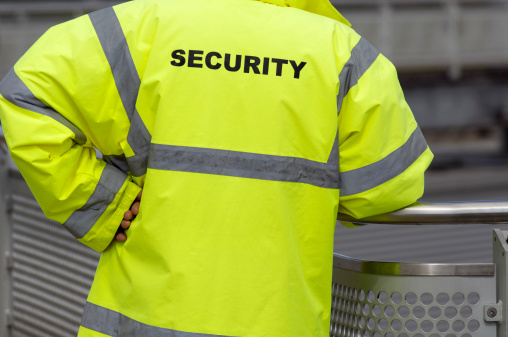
<point x="478" y="212"/>
<point x="412" y="269"/>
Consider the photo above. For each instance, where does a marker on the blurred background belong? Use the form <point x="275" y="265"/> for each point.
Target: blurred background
<point x="452" y="59"/>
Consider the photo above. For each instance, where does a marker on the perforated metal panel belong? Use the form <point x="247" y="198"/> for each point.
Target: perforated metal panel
<point x="370" y="305"/>
<point x="51" y="271"/>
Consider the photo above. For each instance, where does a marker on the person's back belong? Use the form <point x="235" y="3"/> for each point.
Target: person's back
<point x="225" y="113"/>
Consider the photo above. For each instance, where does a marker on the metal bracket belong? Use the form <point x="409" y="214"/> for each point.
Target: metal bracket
<point x="493" y="312"/>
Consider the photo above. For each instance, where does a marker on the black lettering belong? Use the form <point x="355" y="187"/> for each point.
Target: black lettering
<point x="193" y="58"/>
<point x="297" y="68"/>
<point x="280" y="63"/>
<point x="251" y="62"/>
<point x="266" y="65"/>
<point x="227" y="63"/>
<point x="208" y="60"/>
<point x="178" y="55"/>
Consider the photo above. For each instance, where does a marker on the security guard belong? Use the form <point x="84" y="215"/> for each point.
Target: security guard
<point x="248" y="125"/>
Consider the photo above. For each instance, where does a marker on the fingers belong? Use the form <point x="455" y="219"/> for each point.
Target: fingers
<point x="127" y="217"/>
<point x="135" y="208"/>
<point x="125" y="224"/>
<point x="121" y="237"/>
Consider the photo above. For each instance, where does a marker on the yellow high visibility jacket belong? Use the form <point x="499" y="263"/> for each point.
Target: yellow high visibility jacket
<point x="248" y="125"/>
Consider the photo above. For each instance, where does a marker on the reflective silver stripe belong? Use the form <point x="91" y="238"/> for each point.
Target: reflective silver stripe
<point x="139" y="139"/>
<point x="333" y="159"/>
<point x="16" y="92"/>
<point x="362" y="57"/>
<point x="116" y="49"/>
<point x="243" y="164"/>
<point x="119" y="161"/>
<point x="370" y="176"/>
<point x="83" y="219"/>
<point x="117" y="52"/>
<point x="113" y="323"/>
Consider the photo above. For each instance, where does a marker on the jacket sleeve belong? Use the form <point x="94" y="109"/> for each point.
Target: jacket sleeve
<point x="383" y="154"/>
<point x="57" y="105"/>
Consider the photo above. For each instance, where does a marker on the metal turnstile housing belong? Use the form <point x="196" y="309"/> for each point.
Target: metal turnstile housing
<point x="389" y="299"/>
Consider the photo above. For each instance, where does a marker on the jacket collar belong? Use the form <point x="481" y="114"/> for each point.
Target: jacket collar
<point x="321" y="7"/>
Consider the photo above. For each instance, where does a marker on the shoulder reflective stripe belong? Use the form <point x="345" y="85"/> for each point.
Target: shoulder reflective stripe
<point x="362" y="57"/>
<point x="113" y="323"/>
<point x="83" y="219"/>
<point x="16" y="92"/>
<point x="243" y="165"/>
<point x="117" y="52"/>
<point x="116" y="49"/>
<point x="370" y="176"/>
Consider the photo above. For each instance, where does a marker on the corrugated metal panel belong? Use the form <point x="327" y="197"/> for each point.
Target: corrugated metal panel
<point x="52" y="272"/>
<point x="5" y="234"/>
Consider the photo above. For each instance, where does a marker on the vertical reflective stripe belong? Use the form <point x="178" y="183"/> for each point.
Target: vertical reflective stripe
<point x="16" y="92"/>
<point x="243" y="165"/>
<point x="117" y="52"/>
<point x="116" y="49"/>
<point x="373" y="175"/>
<point x="83" y="219"/>
<point x="362" y="57"/>
<point x="113" y="323"/>
<point x="333" y="159"/>
<point x="139" y="139"/>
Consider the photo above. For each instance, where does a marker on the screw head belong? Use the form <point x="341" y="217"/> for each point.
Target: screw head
<point x="492" y="312"/>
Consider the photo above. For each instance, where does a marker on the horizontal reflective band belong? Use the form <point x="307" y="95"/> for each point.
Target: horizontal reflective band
<point x="113" y="323"/>
<point x="362" y="57"/>
<point x="243" y="164"/>
<point x="378" y="173"/>
<point x="83" y="219"/>
<point x="116" y="49"/>
<point x="16" y="92"/>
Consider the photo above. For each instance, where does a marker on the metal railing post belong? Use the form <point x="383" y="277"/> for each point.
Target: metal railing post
<point x="497" y="312"/>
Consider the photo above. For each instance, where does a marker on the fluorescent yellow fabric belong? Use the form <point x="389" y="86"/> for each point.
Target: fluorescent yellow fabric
<point x="59" y="70"/>
<point x="231" y="240"/>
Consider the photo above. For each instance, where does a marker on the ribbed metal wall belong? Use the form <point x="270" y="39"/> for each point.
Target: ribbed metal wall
<point x="51" y="271"/>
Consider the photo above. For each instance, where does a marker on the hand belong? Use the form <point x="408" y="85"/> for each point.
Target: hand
<point x="127" y="218"/>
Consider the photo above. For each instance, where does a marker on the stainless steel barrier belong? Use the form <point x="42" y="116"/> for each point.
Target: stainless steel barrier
<point x="393" y="299"/>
